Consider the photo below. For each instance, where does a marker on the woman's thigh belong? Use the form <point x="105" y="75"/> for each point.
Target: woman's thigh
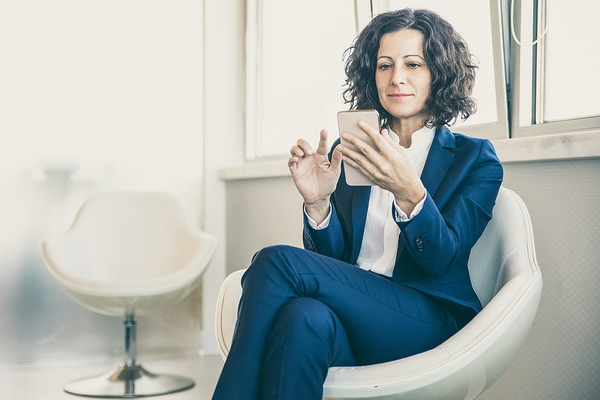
<point x="383" y="320"/>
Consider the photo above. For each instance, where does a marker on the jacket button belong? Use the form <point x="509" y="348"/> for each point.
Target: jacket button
<point x="419" y="243"/>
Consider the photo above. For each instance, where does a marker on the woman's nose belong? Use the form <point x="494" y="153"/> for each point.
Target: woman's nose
<point x="398" y="78"/>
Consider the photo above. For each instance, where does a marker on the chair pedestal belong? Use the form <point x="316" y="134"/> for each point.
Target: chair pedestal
<point x="129" y="379"/>
<point x="128" y="382"/>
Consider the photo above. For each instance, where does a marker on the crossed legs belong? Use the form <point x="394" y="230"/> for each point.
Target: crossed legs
<point x="301" y="313"/>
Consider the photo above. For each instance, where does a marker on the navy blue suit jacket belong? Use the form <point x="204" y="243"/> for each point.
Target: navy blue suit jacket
<point x="462" y="176"/>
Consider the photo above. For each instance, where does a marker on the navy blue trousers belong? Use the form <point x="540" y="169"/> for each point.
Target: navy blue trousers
<point x="301" y="313"/>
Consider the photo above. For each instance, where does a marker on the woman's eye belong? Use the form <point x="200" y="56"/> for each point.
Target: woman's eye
<point x="414" y="65"/>
<point x="385" y="67"/>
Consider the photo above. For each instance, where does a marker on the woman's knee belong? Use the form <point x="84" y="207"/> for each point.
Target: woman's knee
<point x="274" y="254"/>
<point x="271" y="258"/>
<point x="306" y="318"/>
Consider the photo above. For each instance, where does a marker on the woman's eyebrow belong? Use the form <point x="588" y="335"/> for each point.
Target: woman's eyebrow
<point x="405" y="57"/>
<point x="414" y="55"/>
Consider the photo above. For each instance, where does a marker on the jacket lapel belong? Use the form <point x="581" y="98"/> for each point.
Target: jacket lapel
<point x="438" y="161"/>
<point x="436" y="167"/>
<point x="360" y="204"/>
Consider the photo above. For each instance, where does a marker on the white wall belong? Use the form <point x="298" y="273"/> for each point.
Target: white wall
<point x="107" y="87"/>
<point x="94" y="95"/>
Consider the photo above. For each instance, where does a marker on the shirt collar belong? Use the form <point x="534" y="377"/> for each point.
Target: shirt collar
<point x="421" y="139"/>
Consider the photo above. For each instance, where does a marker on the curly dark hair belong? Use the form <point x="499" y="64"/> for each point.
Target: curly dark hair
<point x="446" y="53"/>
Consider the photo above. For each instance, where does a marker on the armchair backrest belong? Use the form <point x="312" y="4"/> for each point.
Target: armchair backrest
<point x="507" y="235"/>
<point x="120" y="237"/>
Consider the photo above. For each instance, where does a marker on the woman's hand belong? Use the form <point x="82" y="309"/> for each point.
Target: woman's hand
<point x="314" y="176"/>
<point x="387" y="165"/>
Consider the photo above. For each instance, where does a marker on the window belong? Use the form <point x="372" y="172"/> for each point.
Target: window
<point x="295" y="70"/>
<point x="554" y="81"/>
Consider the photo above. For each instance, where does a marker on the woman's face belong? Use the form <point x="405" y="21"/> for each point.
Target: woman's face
<point x="403" y="78"/>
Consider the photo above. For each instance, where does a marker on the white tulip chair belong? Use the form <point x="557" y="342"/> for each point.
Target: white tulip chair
<point x="128" y="254"/>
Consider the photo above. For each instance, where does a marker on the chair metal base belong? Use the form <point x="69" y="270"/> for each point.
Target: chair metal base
<point x="128" y="382"/>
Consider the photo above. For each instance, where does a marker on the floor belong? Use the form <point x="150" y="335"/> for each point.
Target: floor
<point x="44" y="380"/>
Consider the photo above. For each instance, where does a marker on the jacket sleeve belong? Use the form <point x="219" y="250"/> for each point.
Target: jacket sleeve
<point x="446" y="230"/>
<point x="329" y="241"/>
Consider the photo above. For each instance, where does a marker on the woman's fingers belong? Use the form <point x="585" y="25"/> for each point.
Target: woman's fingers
<point x="373" y="133"/>
<point x="385" y="162"/>
<point x="301" y="149"/>
<point x="359" y="161"/>
<point x="358" y="148"/>
<point x="296" y="151"/>
<point x="382" y="140"/>
<point x="292" y="161"/>
<point x="304" y="147"/>
<point x="323" y="147"/>
<point x="336" y="157"/>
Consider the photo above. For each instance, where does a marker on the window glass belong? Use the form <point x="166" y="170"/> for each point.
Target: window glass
<point x="300" y="71"/>
<point x="572" y="81"/>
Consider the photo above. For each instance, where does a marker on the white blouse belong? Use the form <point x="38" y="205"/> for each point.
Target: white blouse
<point x="381" y="235"/>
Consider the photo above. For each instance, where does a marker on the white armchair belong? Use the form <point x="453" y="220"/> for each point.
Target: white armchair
<point x="508" y="282"/>
<point x="127" y="254"/>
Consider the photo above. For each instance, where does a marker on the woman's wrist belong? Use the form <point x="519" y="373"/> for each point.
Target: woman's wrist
<point x="407" y="203"/>
<point x="318" y="210"/>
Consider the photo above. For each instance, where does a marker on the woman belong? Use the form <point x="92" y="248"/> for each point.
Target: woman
<point x="384" y="273"/>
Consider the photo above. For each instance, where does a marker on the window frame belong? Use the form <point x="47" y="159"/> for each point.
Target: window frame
<point x="527" y="75"/>
<point x="253" y="40"/>
<point x="363" y="10"/>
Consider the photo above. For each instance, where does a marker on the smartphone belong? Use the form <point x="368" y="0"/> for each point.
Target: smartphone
<point x="348" y="122"/>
